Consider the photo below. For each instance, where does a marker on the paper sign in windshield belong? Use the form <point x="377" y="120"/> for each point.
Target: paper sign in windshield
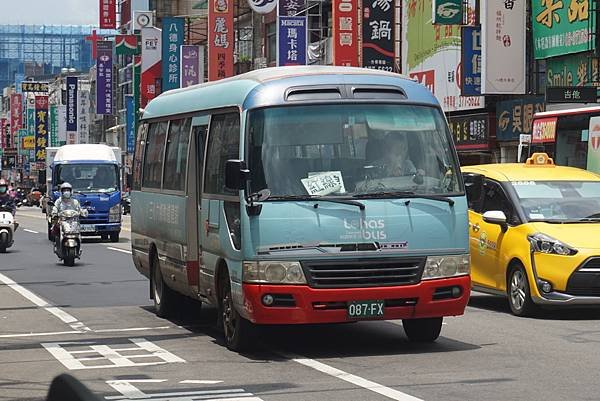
<point x="324" y="183"/>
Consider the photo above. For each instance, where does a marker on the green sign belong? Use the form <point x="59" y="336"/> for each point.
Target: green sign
<point x="574" y="70"/>
<point x="21" y="135"/>
<point x="562" y="27"/>
<point x="31" y="121"/>
<point x="53" y="125"/>
<point x="447" y="12"/>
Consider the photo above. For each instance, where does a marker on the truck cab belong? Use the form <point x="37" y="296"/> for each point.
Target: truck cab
<point x="94" y="173"/>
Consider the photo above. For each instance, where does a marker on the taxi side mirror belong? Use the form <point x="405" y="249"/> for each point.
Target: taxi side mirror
<point x="496" y="217"/>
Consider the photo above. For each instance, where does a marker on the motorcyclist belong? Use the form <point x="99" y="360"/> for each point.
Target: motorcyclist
<point x="65" y="202"/>
<point x="5" y="198"/>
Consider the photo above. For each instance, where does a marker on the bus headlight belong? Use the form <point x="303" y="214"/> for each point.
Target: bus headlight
<point x="273" y="272"/>
<point x="114" y="214"/>
<point x="446" y="266"/>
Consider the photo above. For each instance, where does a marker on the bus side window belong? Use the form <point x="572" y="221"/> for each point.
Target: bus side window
<point x="138" y="156"/>
<point x="176" y="154"/>
<point x="153" y="156"/>
<point x="223" y="144"/>
<point x="199" y="132"/>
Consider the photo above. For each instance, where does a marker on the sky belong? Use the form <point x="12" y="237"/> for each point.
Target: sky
<point x="49" y="12"/>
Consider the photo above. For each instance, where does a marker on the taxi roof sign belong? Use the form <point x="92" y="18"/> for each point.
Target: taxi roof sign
<point x="539" y="159"/>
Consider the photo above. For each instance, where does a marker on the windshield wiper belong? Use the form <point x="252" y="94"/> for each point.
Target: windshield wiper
<point x="318" y="198"/>
<point x="403" y="194"/>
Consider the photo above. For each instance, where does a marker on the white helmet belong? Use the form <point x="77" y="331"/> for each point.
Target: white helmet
<point x="66" y="190"/>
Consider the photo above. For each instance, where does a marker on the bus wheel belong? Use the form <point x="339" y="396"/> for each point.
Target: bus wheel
<point x="422" y="330"/>
<point x="164" y="297"/>
<point x="238" y="331"/>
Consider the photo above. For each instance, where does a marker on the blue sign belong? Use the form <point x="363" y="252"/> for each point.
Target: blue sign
<point x="471" y="61"/>
<point x="515" y="117"/>
<point x="19" y="77"/>
<point x="130" y="115"/>
<point x="172" y="40"/>
<point x="72" y="122"/>
<point x="292" y="41"/>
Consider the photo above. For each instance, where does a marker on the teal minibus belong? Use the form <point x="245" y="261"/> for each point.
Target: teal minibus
<point x="302" y="195"/>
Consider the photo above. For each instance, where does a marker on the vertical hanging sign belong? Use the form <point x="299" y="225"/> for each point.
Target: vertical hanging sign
<point x="192" y="65"/>
<point x="41" y="127"/>
<point x="345" y="43"/>
<point x="104" y="78"/>
<point x="2" y="134"/>
<point x="137" y="72"/>
<point x="471" y="61"/>
<point x="151" y="64"/>
<point x="172" y="37"/>
<point x="108" y="14"/>
<point x="72" y="122"/>
<point x="220" y="39"/>
<point x="130" y="120"/>
<point x="84" y="112"/>
<point x="16" y="118"/>
<point x="53" y="136"/>
<point x="291" y="33"/>
<point x="378" y="36"/>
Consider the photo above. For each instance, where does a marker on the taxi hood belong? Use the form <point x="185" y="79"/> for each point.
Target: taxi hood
<point x="578" y="235"/>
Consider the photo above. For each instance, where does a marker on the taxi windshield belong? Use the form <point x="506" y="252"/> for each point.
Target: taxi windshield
<point x="559" y="201"/>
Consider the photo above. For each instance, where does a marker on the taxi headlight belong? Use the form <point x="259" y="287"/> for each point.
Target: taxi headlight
<point x="545" y="244"/>
<point x="446" y="266"/>
<point x="273" y="272"/>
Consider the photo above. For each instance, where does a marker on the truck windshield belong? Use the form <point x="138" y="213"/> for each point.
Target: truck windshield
<point x="351" y="151"/>
<point x="89" y="177"/>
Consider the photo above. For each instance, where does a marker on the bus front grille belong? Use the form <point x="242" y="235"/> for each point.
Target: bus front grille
<point x="363" y="272"/>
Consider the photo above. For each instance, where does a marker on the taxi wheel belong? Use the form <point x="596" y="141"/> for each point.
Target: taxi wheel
<point x="519" y="293"/>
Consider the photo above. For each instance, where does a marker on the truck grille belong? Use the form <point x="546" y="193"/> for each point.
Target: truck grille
<point x="363" y="272"/>
<point x="585" y="281"/>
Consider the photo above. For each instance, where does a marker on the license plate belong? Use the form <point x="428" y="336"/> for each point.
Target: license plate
<point x="87" y="228"/>
<point x="365" y="309"/>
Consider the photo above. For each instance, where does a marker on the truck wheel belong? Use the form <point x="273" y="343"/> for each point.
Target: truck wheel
<point x="165" y="299"/>
<point x="422" y="330"/>
<point x="114" y="237"/>
<point x="239" y="332"/>
<point x="69" y="259"/>
<point x="519" y="293"/>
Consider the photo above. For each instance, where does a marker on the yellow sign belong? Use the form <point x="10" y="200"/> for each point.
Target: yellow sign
<point x="29" y="142"/>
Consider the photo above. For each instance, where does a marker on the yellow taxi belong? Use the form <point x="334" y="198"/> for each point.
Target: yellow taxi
<point x="534" y="233"/>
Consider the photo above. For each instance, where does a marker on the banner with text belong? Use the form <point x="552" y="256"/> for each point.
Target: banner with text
<point x="104" y="77"/>
<point x="345" y="33"/>
<point x="378" y="34"/>
<point x="172" y="39"/>
<point x="291" y="36"/>
<point x="151" y="64"/>
<point x="16" y="118"/>
<point x="84" y="113"/>
<point x="108" y="14"/>
<point x="220" y="39"/>
<point x="72" y="86"/>
<point x="471" y="61"/>
<point x="41" y="128"/>
<point x="192" y="65"/>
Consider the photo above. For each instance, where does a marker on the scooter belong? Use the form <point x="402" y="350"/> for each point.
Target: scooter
<point x="68" y="244"/>
<point x="7" y="227"/>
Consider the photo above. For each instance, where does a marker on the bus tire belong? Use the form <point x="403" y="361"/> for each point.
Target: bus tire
<point x="164" y="297"/>
<point x="238" y="332"/>
<point x="422" y="330"/>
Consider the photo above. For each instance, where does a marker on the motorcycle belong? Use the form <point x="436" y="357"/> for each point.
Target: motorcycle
<point x="68" y="244"/>
<point x="7" y="227"/>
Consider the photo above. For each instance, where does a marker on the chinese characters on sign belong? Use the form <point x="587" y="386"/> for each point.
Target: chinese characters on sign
<point x="192" y="65"/>
<point x="108" y="14"/>
<point x="84" y="112"/>
<point x="30" y="86"/>
<point x="104" y="78"/>
<point x="151" y="64"/>
<point x="220" y="39"/>
<point x="2" y="134"/>
<point x="471" y="61"/>
<point x="345" y="33"/>
<point x="378" y="35"/>
<point x="562" y="27"/>
<point x="515" y="117"/>
<point x="292" y="41"/>
<point x="41" y="128"/>
<point x="16" y="118"/>
<point x="470" y="131"/>
<point x="130" y="123"/>
<point x="53" y="133"/>
<point x="571" y="94"/>
<point x="544" y="130"/>
<point x="172" y="38"/>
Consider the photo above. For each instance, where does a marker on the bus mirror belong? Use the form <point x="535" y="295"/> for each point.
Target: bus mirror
<point x="236" y="174"/>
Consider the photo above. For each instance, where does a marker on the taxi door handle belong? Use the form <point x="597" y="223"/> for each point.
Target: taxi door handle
<point x="475" y="227"/>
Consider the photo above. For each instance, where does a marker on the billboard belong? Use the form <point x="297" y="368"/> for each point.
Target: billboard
<point x="220" y="39"/>
<point x="431" y="54"/>
<point x="104" y="77"/>
<point x="503" y="47"/>
<point x="345" y="33"/>
<point x="172" y="39"/>
<point x="378" y="51"/>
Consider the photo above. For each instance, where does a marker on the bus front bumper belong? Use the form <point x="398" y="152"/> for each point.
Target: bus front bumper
<point x="301" y="304"/>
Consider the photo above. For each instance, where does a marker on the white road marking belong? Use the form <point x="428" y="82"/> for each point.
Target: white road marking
<point x="43" y="334"/>
<point x="115" y="359"/>
<point x="59" y="313"/>
<point x="234" y="394"/>
<point x="356" y="380"/>
<point x="118" y="249"/>
<point x="30" y="231"/>
<point x="131" y="329"/>
<point x="201" y="381"/>
<point x="129" y="390"/>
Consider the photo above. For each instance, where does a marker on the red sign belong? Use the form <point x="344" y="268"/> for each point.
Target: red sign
<point x="16" y="117"/>
<point x="108" y="14"/>
<point x="425" y="78"/>
<point x="2" y="133"/>
<point x="544" y="130"/>
<point x="345" y="33"/>
<point x="220" y="39"/>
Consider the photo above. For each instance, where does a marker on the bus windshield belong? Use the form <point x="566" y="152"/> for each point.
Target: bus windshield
<point x="89" y="177"/>
<point x="351" y="150"/>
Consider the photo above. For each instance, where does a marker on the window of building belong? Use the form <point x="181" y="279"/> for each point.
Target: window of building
<point x="176" y="154"/>
<point x="153" y="158"/>
<point x="223" y="145"/>
<point x="271" y="42"/>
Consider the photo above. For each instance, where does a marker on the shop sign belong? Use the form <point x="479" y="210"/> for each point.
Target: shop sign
<point x="41" y="128"/>
<point x="72" y="84"/>
<point x="345" y="33"/>
<point x="470" y="132"/>
<point x="291" y="36"/>
<point x="571" y="94"/>
<point x="378" y="34"/>
<point x="515" y="117"/>
<point x="544" y="130"/>
<point x="30" y="86"/>
<point x="16" y="117"/>
<point x="562" y="27"/>
<point x="431" y="54"/>
<point x="108" y="14"/>
<point x="104" y="77"/>
<point x="172" y="39"/>
<point x="192" y="65"/>
<point x="593" y="156"/>
<point x="220" y="39"/>
<point x="262" y="6"/>
<point x="574" y="70"/>
<point x="151" y="64"/>
<point x="471" y="61"/>
<point x="447" y="12"/>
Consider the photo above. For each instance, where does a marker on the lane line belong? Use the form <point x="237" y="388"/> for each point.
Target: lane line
<point x="132" y="329"/>
<point x="118" y="250"/>
<point x="201" y="381"/>
<point x="356" y="380"/>
<point x="30" y="231"/>
<point x="51" y="333"/>
<point x="59" y="313"/>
